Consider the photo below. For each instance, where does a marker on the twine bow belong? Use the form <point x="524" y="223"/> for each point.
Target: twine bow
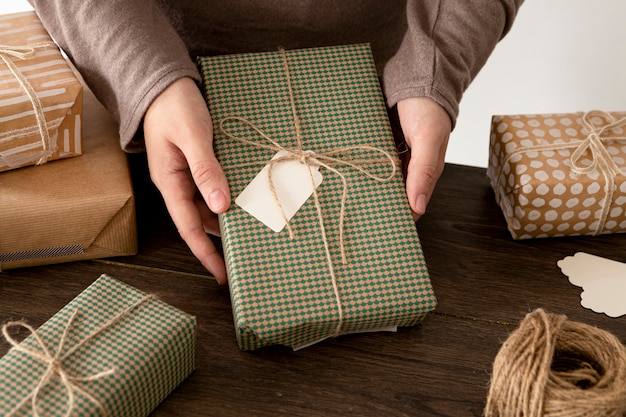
<point x="54" y="361"/>
<point x="594" y="143"/>
<point x="310" y="159"/>
<point x="7" y="52"/>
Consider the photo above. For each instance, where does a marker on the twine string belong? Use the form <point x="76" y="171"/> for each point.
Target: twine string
<point x="600" y="157"/>
<point x="7" y="53"/>
<point x="594" y="143"/>
<point x="54" y="360"/>
<point x="326" y="159"/>
<point x="553" y="367"/>
<point x="311" y="159"/>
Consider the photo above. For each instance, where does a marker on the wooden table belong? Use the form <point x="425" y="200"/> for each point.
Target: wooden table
<point x="485" y="283"/>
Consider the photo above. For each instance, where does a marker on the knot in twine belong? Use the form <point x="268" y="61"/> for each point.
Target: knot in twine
<point x="594" y="142"/>
<point x="311" y="158"/>
<point x="600" y="157"/>
<point x="7" y="53"/>
<point x="54" y="361"/>
<point x="552" y="367"/>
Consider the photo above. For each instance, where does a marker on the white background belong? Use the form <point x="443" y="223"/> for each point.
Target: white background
<point x="560" y="56"/>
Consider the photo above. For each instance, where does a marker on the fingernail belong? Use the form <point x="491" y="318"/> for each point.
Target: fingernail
<point x="217" y="201"/>
<point x="420" y="204"/>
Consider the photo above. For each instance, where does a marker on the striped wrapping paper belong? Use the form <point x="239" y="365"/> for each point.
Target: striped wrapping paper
<point x="57" y="87"/>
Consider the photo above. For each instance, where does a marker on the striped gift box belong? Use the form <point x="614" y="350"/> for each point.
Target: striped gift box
<point x="30" y="61"/>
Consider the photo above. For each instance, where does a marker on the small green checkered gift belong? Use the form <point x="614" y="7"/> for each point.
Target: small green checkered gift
<point x="112" y="351"/>
<point x="349" y="259"/>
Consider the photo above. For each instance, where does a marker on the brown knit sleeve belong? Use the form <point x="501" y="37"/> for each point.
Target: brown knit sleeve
<point x="126" y="50"/>
<point x="447" y="42"/>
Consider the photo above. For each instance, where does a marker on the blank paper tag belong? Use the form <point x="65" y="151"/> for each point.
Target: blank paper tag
<point x="292" y="183"/>
<point x="603" y="282"/>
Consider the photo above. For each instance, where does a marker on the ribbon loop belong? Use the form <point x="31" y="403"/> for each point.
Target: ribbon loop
<point x="595" y="143"/>
<point x="310" y="157"/>
<point x="23" y="51"/>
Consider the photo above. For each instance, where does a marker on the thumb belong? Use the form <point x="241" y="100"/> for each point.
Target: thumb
<point x="197" y="147"/>
<point x="426" y="127"/>
<point x="209" y="177"/>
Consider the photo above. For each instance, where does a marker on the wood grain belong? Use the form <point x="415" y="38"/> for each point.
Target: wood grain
<point x="485" y="283"/>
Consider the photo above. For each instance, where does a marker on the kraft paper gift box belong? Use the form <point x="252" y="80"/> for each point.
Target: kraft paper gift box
<point x="121" y="351"/>
<point x="40" y="97"/>
<point x="560" y="174"/>
<point x="78" y="208"/>
<point x="296" y="291"/>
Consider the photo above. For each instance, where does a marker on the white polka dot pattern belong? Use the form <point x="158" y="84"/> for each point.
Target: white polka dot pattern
<point x="280" y="288"/>
<point x="547" y="192"/>
<point x="152" y="350"/>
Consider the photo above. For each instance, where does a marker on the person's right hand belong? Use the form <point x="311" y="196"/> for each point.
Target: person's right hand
<point x="178" y="133"/>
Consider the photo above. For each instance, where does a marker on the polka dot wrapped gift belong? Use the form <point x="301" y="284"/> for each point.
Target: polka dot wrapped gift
<point x="560" y="174"/>
<point x="353" y="260"/>
<point x="112" y="351"/>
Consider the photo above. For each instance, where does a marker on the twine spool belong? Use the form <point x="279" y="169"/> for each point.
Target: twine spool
<point x="552" y="367"/>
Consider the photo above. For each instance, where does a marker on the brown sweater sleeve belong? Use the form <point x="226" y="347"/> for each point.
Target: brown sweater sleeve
<point x="128" y="51"/>
<point x="126" y="76"/>
<point x="445" y="46"/>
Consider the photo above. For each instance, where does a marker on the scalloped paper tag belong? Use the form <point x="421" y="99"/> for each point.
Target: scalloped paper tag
<point x="603" y="282"/>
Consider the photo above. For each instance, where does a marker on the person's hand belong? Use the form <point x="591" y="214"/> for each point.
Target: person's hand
<point x="178" y="133"/>
<point x="426" y="127"/>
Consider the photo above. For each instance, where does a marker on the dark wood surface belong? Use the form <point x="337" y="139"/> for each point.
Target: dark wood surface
<point x="485" y="283"/>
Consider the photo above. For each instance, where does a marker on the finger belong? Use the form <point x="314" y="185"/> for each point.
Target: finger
<point x="179" y="194"/>
<point x="178" y="136"/>
<point x="191" y="227"/>
<point x="424" y="169"/>
<point x="210" y="221"/>
<point x="211" y="181"/>
<point x="426" y="127"/>
<point x="196" y="144"/>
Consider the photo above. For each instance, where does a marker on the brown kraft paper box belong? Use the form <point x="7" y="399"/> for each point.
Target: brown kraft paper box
<point x="78" y="208"/>
<point x="560" y="174"/>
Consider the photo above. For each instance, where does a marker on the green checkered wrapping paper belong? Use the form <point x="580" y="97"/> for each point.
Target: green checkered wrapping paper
<point x="280" y="288"/>
<point x="151" y="350"/>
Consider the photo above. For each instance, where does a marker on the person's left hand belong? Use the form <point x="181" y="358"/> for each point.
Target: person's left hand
<point x="426" y="127"/>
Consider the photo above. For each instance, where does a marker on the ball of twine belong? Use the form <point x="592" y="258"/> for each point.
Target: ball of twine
<point x="552" y="367"/>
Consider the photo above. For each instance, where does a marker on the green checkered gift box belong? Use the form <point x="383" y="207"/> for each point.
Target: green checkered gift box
<point x="349" y="260"/>
<point x="112" y="351"/>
